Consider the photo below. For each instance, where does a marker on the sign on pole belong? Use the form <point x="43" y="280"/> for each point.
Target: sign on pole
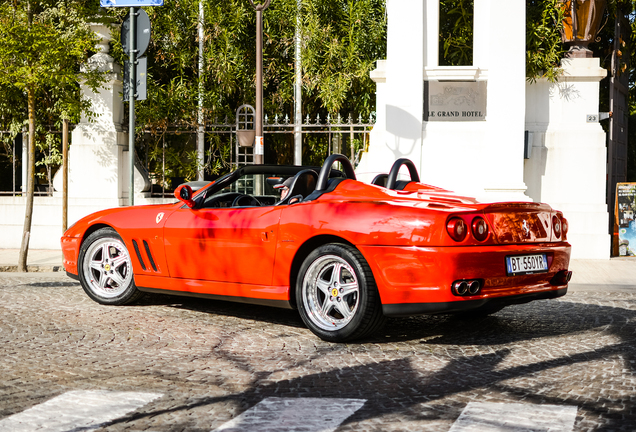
<point x="142" y="40"/>
<point x="142" y="32"/>
<point x="141" y="82"/>
<point x="135" y="38"/>
<point x="130" y="3"/>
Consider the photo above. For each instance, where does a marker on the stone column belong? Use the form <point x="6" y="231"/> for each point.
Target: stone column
<point x="568" y="163"/>
<point x="98" y="160"/>
<point x="483" y="158"/>
<point x="398" y="130"/>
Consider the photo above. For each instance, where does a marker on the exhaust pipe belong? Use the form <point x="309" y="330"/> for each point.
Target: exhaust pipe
<point x="461" y="288"/>
<point x="466" y="287"/>
<point x="561" y="278"/>
<point x="474" y="287"/>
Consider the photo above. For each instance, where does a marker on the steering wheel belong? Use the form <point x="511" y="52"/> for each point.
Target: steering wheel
<point x="245" y="200"/>
<point x="323" y="178"/>
<point x="391" y="182"/>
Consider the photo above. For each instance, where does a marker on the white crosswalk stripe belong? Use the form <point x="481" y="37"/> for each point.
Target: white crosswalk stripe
<point x="77" y="410"/>
<point x="515" y="417"/>
<point x="90" y="410"/>
<point x="294" y="414"/>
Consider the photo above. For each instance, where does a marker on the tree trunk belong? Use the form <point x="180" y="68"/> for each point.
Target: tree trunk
<point x="26" y="234"/>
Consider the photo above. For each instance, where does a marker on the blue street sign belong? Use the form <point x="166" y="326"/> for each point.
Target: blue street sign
<point x="130" y="3"/>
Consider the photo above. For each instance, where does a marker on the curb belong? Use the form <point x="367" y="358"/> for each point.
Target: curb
<point x="32" y="268"/>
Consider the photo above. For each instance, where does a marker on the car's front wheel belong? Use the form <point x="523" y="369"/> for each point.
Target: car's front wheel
<point x="105" y="269"/>
<point x="336" y="294"/>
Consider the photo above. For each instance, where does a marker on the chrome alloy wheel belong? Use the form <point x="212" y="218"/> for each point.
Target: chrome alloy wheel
<point x="107" y="267"/>
<point x="330" y="292"/>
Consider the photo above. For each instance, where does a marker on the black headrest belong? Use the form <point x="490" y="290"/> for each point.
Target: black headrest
<point x="303" y="183"/>
<point x="380" y="180"/>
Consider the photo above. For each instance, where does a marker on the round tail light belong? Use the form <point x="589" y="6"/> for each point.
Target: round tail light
<point x="564" y="226"/>
<point x="457" y="229"/>
<point x="480" y="229"/>
<point x="556" y="226"/>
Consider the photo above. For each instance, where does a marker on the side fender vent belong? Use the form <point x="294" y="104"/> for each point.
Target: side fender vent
<point x="141" y="260"/>
<point x="152" y="261"/>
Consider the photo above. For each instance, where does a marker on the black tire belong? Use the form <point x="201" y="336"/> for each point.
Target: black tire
<point x="105" y="269"/>
<point x="345" y="307"/>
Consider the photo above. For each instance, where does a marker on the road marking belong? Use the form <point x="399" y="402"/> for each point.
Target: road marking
<point x="77" y="411"/>
<point x="294" y="415"/>
<point x="493" y="417"/>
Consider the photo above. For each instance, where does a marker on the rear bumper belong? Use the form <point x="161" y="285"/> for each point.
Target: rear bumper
<point x="422" y="276"/>
<point x="409" y="309"/>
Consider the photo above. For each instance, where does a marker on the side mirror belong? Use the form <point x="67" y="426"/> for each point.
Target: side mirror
<point x="184" y="193"/>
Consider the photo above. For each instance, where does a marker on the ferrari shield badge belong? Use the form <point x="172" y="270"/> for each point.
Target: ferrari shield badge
<point x="159" y="217"/>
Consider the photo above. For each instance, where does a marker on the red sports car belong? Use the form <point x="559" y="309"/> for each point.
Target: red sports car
<point x="346" y="254"/>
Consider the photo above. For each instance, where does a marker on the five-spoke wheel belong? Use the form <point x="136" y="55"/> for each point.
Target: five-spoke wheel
<point x="331" y="292"/>
<point x="336" y="294"/>
<point x="105" y="268"/>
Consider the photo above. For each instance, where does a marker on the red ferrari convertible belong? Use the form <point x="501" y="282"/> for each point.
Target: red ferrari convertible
<point x="346" y="254"/>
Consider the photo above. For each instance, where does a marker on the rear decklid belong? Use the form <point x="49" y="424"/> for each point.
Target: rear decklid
<point x="522" y="222"/>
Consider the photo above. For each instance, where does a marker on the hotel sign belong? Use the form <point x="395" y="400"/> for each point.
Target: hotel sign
<point x="455" y="100"/>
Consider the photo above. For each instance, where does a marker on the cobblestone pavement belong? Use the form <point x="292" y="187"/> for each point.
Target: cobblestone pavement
<point x="213" y="360"/>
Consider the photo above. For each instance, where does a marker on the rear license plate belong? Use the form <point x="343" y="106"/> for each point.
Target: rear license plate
<point x="526" y="264"/>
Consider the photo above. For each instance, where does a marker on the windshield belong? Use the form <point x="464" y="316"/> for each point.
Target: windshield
<point x="251" y="186"/>
<point x="255" y="184"/>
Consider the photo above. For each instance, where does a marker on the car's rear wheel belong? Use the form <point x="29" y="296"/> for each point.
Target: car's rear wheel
<point x="336" y="294"/>
<point x="105" y="269"/>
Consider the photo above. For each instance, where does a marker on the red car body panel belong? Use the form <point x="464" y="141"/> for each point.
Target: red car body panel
<point x="253" y="253"/>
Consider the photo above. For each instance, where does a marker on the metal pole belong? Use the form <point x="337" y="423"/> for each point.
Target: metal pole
<point x="25" y="160"/>
<point x="258" y="121"/>
<point x="65" y="175"/>
<point x="258" y="144"/>
<point x="353" y="150"/>
<point x="298" y="115"/>
<point x="13" y="170"/>
<point x="132" y="89"/>
<point x="201" y="130"/>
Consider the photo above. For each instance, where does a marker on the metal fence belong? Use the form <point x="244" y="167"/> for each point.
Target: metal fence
<point x="169" y="155"/>
<point x="156" y="150"/>
<point x="14" y="150"/>
<point x="335" y="130"/>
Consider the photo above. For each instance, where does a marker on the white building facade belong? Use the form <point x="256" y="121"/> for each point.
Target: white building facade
<point x="483" y="130"/>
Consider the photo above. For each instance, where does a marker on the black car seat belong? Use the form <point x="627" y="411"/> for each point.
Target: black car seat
<point x="380" y="180"/>
<point x="304" y="183"/>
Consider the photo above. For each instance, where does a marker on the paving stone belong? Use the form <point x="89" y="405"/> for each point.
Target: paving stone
<point x="214" y="360"/>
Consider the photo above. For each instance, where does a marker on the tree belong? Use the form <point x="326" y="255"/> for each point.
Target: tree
<point x="456" y="32"/>
<point x="341" y="40"/>
<point x="630" y="68"/>
<point x="43" y="46"/>
<point x="544" y="50"/>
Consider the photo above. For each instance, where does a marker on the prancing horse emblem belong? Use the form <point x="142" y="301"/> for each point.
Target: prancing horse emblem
<point x="526" y="230"/>
<point x="159" y="217"/>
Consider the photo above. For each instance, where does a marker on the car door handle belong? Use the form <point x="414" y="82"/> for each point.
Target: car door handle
<point x="265" y="236"/>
